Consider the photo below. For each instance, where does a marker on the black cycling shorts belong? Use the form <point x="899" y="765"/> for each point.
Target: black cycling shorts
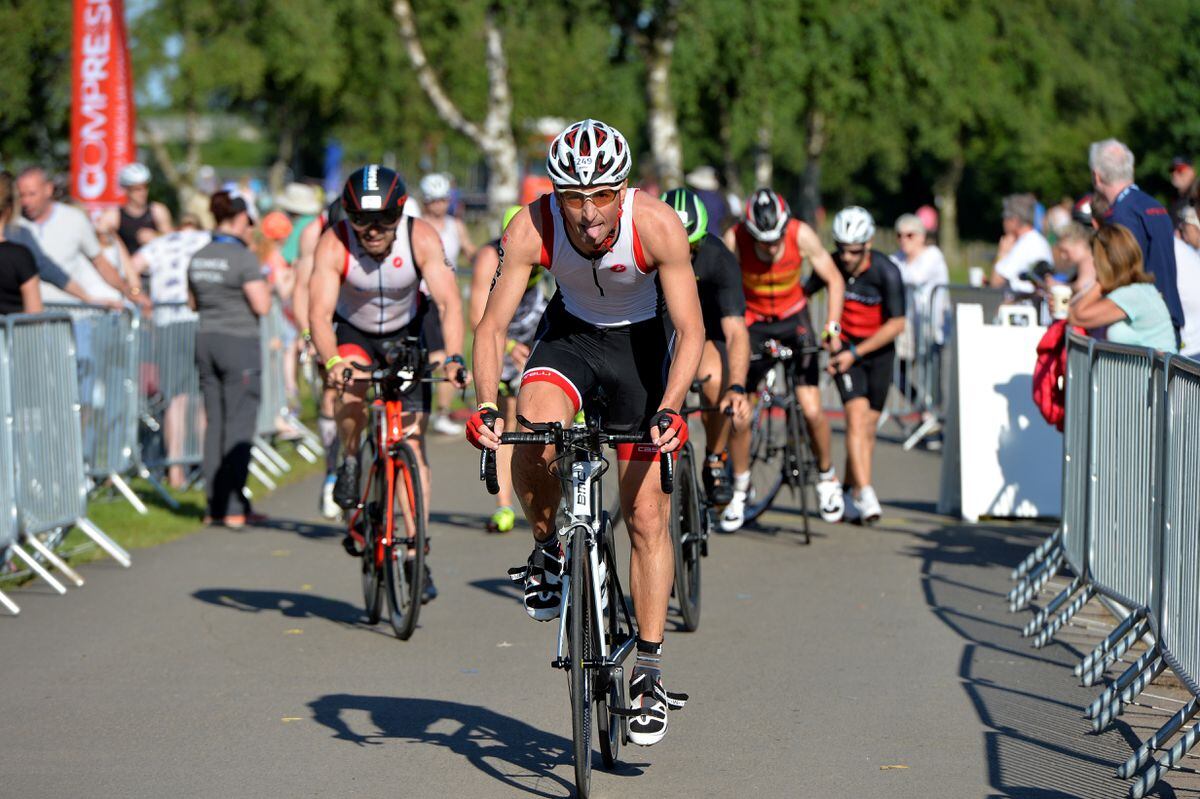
<point x="431" y="329"/>
<point x="616" y="374"/>
<point x="870" y="377"/>
<point x="369" y="348"/>
<point x="795" y="331"/>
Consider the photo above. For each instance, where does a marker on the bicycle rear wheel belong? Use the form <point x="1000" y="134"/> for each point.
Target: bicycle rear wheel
<point x="405" y="563"/>
<point x="579" y="649"/>
<point x="369" y="517"/>
<point x="610" y="683"/>
<point x="768" y="451"/>
<point x="685" y="536"/>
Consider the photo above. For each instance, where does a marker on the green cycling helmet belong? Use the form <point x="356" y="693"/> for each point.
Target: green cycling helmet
<point x="691" y="211"/>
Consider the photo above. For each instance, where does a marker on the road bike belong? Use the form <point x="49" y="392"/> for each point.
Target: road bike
<point x="596" y="631"/>
<point x="780" y="448"/>
<point x="388" y="526"/>
<point x="690" y="523"/>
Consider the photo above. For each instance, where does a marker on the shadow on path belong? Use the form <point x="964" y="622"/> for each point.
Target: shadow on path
<point x="1037" y="737"/>
<point x="305" y="529"/>
<point x="510" y="751"/>
<point x="287" y="603"/>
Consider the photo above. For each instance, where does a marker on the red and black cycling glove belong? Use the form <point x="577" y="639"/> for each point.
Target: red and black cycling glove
<point x="485" y="416"/>
<point x="673" y="422"/>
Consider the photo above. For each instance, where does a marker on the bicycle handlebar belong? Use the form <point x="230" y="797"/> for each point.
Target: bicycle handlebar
<point x="547" y="433"/>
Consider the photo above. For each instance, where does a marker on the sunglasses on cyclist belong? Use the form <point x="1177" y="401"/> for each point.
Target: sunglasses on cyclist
<point x="576" y="199"/>
<point x="852" y="250"/>
<point x="366" y="219"/>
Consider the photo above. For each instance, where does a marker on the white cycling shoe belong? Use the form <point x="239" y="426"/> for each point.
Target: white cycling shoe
<point x="868" y="505"/>
<point x="831" y="500"/>
<point x="329" y="508"/>
<point x="443" y="425"/>
<point x="734" y="514"/>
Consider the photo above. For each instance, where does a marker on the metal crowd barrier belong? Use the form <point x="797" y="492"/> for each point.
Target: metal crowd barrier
<point x="42" y="422"/>
<point x="1130" y="533"/>
<point x="267" y="463"/>
<point x="171" y="407"/>
<point x="107" y="344"/>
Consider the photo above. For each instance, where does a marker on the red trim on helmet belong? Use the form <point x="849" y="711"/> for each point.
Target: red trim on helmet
<point x="547" y="233"/>
<point x="544" y="374"/>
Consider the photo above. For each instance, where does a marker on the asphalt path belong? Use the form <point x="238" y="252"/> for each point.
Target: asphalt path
<point x="875" y="662"/>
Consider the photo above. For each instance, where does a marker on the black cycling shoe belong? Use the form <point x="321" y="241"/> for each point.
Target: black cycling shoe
<point x="429" y="592"/>
<point x="351" y="546"/>
<point x="716" y="481"/>
<point x="345" y="490"/>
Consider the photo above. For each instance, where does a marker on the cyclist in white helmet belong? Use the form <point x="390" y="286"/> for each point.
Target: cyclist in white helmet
<point x="622" y="264"/>
<point x="773" y="247"/>
<point x="872" y="318"/>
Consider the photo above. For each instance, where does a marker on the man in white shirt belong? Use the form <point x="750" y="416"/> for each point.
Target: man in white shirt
<point x="1187" y="279"/>
<point x="66" y="236"/>
<point x="1021" y="246"/>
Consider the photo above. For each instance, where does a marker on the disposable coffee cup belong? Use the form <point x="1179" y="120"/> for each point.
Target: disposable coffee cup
<point x="975" y="276"/>
<point x="1060" y="299"/>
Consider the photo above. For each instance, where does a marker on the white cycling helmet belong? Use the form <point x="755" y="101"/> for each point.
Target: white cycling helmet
<point x="767" y="215"/>
<point x="133" y="174"/>
<point x="853" y="225"/>
<point x="435" y="186"/>
<point x="588" y="153"/>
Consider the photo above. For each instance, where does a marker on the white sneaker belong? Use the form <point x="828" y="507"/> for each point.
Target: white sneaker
<point x="868" y="505"/>
<point x="444" y="425"/>
<point x="329" y="508"/>
<point x="734" y="514"/>
<point x="851" y="512"/>
<point x="829" y="498"/>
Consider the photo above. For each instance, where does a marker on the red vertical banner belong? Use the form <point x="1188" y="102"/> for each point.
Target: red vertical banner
<point x="102" y="108"/>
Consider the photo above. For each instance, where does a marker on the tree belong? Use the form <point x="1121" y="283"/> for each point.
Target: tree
<point x="494" y="135"/>
<point x="653" y="29"/>
<point x="35" y="80"/>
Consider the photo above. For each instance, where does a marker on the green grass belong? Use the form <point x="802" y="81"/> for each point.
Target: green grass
<point x="132" y="530"/>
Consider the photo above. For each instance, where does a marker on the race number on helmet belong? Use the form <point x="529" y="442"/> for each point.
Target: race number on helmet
<point x="374" y="188"/>
<point x="588" y="153"/>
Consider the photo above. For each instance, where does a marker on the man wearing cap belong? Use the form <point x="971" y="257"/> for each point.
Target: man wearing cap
<point x="1187" y="269"/>
<point x="138" y="221"/>
<point x="1183" y="178"/>
<point x="1112" y="175"/>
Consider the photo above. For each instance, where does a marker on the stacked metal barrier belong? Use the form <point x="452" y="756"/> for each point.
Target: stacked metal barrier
<point x="273" y="409"/>
<point x="107" y="350"/>
<point x="8" y="475"/>
<point x="42" y="420"/>
<point x="1130" y="533"/>
<point x="170" y="394"/>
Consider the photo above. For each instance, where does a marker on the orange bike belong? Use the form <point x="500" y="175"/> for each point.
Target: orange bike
<point x="388" y="526"/>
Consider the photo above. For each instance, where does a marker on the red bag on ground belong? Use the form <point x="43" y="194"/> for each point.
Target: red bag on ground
<point x="1050" y="373"/>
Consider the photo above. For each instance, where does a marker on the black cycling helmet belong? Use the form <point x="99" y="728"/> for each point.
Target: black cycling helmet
<point x="767" y="214"/>
<point x="691" y="212"/>
<point x="374" y="194"/>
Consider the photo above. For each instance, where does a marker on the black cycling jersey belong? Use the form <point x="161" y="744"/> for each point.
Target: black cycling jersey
<point x="719" y="281"/>
<point x="872" y="297"/>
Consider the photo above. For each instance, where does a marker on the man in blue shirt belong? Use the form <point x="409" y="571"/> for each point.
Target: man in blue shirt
<point x="1112" y="175"/>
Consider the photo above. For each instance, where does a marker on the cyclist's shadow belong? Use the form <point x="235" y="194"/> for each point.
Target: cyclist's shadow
<point x="487" y="739"/>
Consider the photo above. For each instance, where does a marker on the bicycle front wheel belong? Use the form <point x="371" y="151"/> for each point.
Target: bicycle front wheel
<point x="580" y="650"/>
<point x="768" y="453"/>
<point x="685" y="535"/>
<point x="405" y="561"/>
<point x="369" y="521"/>
<point x="610" y="683"/>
